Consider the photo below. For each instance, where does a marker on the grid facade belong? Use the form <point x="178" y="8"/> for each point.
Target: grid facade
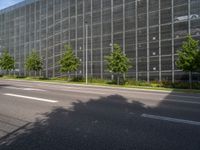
<point x="149" y="31"/>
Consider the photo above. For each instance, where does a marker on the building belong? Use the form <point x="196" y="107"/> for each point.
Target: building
<point x="149" y="31"/>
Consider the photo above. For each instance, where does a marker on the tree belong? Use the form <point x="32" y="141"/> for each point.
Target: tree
<point x="198" y="63"/>
<point x="118" y="62"/>
<point x="7" y="62"/>
<point x="33" y="62"/>
<point x="188" y="57"/>
<point x="69" y="62"/>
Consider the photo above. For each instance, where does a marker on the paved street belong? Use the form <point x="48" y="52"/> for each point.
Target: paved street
<point x="43" y="116"/>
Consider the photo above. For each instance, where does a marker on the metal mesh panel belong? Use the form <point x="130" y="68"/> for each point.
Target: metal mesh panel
<point x="150" y="34"/>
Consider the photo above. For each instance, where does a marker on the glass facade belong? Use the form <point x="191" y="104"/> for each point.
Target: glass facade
<point x="149" y="31"/>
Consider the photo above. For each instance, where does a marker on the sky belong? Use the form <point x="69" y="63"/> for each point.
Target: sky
<point x="7" y="3"/>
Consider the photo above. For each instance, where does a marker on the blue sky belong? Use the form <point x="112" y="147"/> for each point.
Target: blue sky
<point x="7" y="3"/>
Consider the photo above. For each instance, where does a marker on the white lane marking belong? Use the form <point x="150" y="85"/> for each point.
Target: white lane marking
<point x="169" y="100"/>
<point x="32" y="89"/>
<point x="85" y="92"/>
<point x="32" y="98"/>
<point x="181" y="101"/>
<point x="171" y="119"/>
<point x="25" y="89"/>
<point x="75" y="90"/>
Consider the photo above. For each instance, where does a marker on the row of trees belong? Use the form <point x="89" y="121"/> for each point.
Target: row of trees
<point x="117" y="62"/>
<point x="33" y="62"/>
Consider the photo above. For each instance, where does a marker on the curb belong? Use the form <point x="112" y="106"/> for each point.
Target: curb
<point x="98" y="86"/>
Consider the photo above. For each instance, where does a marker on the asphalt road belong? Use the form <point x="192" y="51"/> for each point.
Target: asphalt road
<point x="42" y="116"/>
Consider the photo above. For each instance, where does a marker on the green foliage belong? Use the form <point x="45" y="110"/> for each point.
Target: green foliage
<point x="77" y="79"/>
<point x="33" y="62"/>
<point x="188" y="56"/>
<point x="163" y="84"/>
<point x="98" y="80"/>
<point x="198" y="61"/>
<point x="118" y="62"/>
<point x="137" y="83"/>
<point x="69" y="62"/>
<point x="180" y="85"/>
<point x="7" y="62"/>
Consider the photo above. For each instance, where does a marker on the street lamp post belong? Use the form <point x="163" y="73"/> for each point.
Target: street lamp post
<point x="111" y="45"/>
<point x="1" y="52"/>
<point x="0" y="56"/>
<point x="86" y="53"/>
<point x="1" y="49"/>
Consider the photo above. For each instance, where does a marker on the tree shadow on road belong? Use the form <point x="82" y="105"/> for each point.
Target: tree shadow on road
<point x="106" y="123"/>
<point x="4" y="85"/>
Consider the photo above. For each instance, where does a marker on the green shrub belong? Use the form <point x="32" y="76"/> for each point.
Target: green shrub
<point x="43" y="78"/>
<point x="114" y="82"/>
<point x="77" y="79"/>
<point x="179" y="85"/>
<point x="21" y="77"/>
<point x="60" y="78"/>
<point x="196" y="85"/>
<point x="9" y="76"/>
<point x="137" y="83"/>
<point x="163" y="84"/>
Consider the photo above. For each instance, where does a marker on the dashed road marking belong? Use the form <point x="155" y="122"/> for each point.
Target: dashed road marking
<point x="31" y="98"/>
<point x="171" y="119"/>
<point x="25" y="89"/>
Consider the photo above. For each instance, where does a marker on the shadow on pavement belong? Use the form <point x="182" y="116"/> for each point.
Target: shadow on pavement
<point x="107" y="123"/>
<point x="4" y="85"/>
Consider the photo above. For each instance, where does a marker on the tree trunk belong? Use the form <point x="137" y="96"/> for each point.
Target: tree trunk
<point x="112" y="77"/>
<point x="190" y="79"/>
<point x="117" y="79"/>
<point x="7" y="72"/>
<point x="124" y="78"/>
<point x="68" y="77"/>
